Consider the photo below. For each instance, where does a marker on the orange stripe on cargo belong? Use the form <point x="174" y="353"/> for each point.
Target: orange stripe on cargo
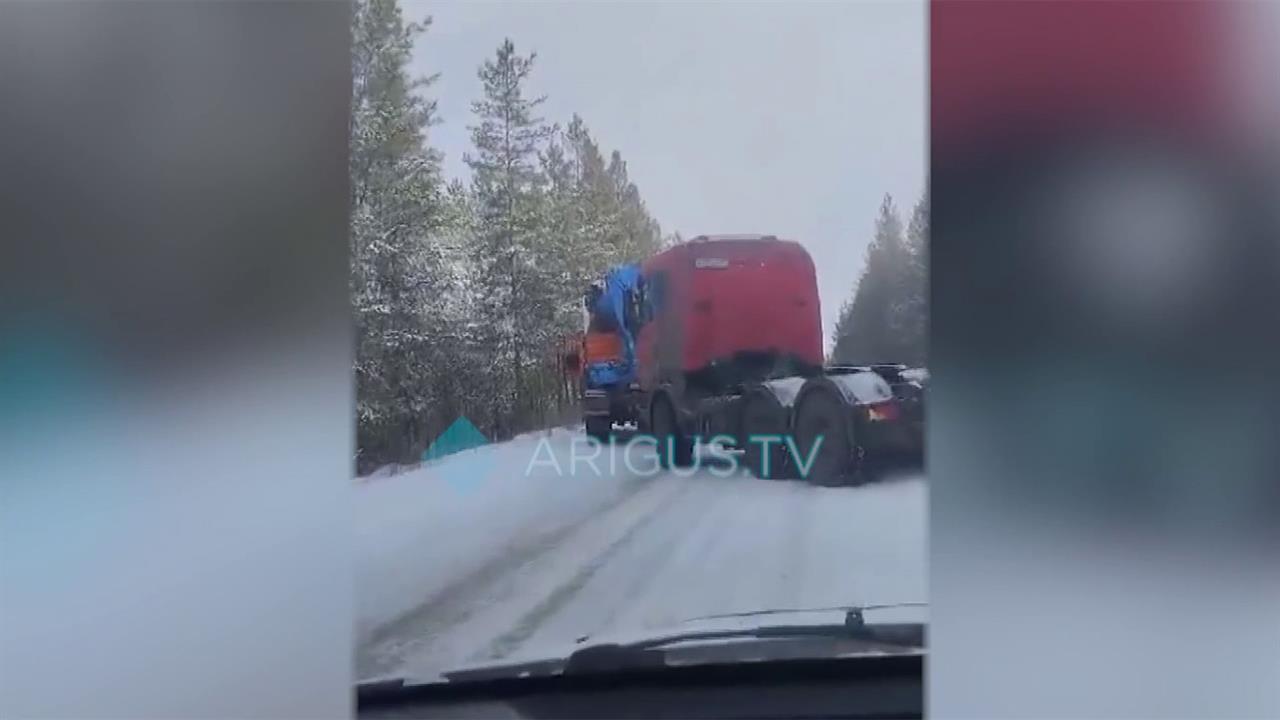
<point x="603" y="346"/>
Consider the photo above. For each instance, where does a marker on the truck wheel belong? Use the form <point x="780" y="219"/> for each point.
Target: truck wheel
<point x="599" y="428"/>
<point x="674" y="449"/>
<point x="824" y="413"/>
<point x="762" y="415"/>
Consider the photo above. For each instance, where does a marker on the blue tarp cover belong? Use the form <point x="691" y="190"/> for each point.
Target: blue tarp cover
<point x="612" y="305"/>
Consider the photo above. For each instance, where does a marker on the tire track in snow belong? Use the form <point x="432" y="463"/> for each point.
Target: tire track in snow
<point x="671" y="583"/>
<point x="680" y="540"/>
<point x="801" y="517"/>
<point x="674" y="547"/>
<point x="564" y="593"/>
<point x="450" y="628"/>
<point x="643" y="573"/>
<point x="389" y="643"/>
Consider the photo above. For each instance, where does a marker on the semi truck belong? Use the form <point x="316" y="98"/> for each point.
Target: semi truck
<point x="721" y="337"/>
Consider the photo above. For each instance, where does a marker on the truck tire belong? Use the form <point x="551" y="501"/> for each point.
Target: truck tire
<point x="599" y="428"/>
<point x="674" y="448"/>
<point x="824" y="413"/>
<point x="763" y="414"/>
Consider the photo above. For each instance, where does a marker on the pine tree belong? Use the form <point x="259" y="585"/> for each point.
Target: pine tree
<point x="871" y="328"/>
<point x="561" y="226"/>
<point x="595" y="219"/>
<point x="457" y="384"/>
<point x="638" y="233"/>
<point x="509" y="195"/>
<point x="396" y="210"/>
<point x="576" y="241"/>
<point x="598" y="211"/>
<point x="916" y="302"/>
<point x="462" y="295"/>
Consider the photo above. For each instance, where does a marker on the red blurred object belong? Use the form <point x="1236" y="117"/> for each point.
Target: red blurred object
<point x="718" y="298"/>
<point x="997" y="66"/>
<point x="887" y="411"/>
<point x="571" y="354"/>
<point x="602" y="347"/>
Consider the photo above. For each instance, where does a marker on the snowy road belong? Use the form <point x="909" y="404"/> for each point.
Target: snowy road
<point x="473" y="558"/>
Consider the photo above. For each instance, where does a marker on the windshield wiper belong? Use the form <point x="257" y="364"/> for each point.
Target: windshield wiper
<point x="605" y="657"/>
<point x="652" y="652"/>
<point x="787" y="611"/>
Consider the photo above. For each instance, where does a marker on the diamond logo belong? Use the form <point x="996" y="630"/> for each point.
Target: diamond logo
<point x="469" y="468"/>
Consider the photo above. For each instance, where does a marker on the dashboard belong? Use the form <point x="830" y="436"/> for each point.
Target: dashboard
<point x="855" y="687"/>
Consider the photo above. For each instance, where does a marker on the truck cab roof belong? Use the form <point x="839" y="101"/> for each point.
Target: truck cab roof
<point x="714" y="238"/>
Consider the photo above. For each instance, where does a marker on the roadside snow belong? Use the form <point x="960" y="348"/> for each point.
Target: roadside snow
<point x="497" y="553"/>
<point x="418" y="532"/>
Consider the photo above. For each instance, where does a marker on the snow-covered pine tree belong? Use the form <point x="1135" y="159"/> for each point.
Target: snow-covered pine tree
<point x="458" y="386"/>
<point x="463" y="296"/>
<point x="396" y="275"/>
<point x="599" y="214"/>
<point x="639" y="233"/>
<point x="916" y="302"/>
<point x="841" y="349"/>
<point x="561" y="261"/>
<point x="870" y="328"/>
<point x="596" y="217"/>
<point x="584" y="205"/>
<point x="561" y="227"/>
<point x="513" y="283"/>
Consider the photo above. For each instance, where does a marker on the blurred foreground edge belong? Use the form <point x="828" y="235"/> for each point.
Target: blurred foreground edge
<point x="175" y="373"/>
<point x="1103" y="438"/>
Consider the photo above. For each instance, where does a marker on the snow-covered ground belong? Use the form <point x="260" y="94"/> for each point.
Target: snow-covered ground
<point x="478" y="557"/>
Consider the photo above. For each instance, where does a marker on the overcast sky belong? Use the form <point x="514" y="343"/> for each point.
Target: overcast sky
<point x="789" y="118"/>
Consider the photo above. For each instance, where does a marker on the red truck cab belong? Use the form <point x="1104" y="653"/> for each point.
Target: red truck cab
<point x="726" y="309"/>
